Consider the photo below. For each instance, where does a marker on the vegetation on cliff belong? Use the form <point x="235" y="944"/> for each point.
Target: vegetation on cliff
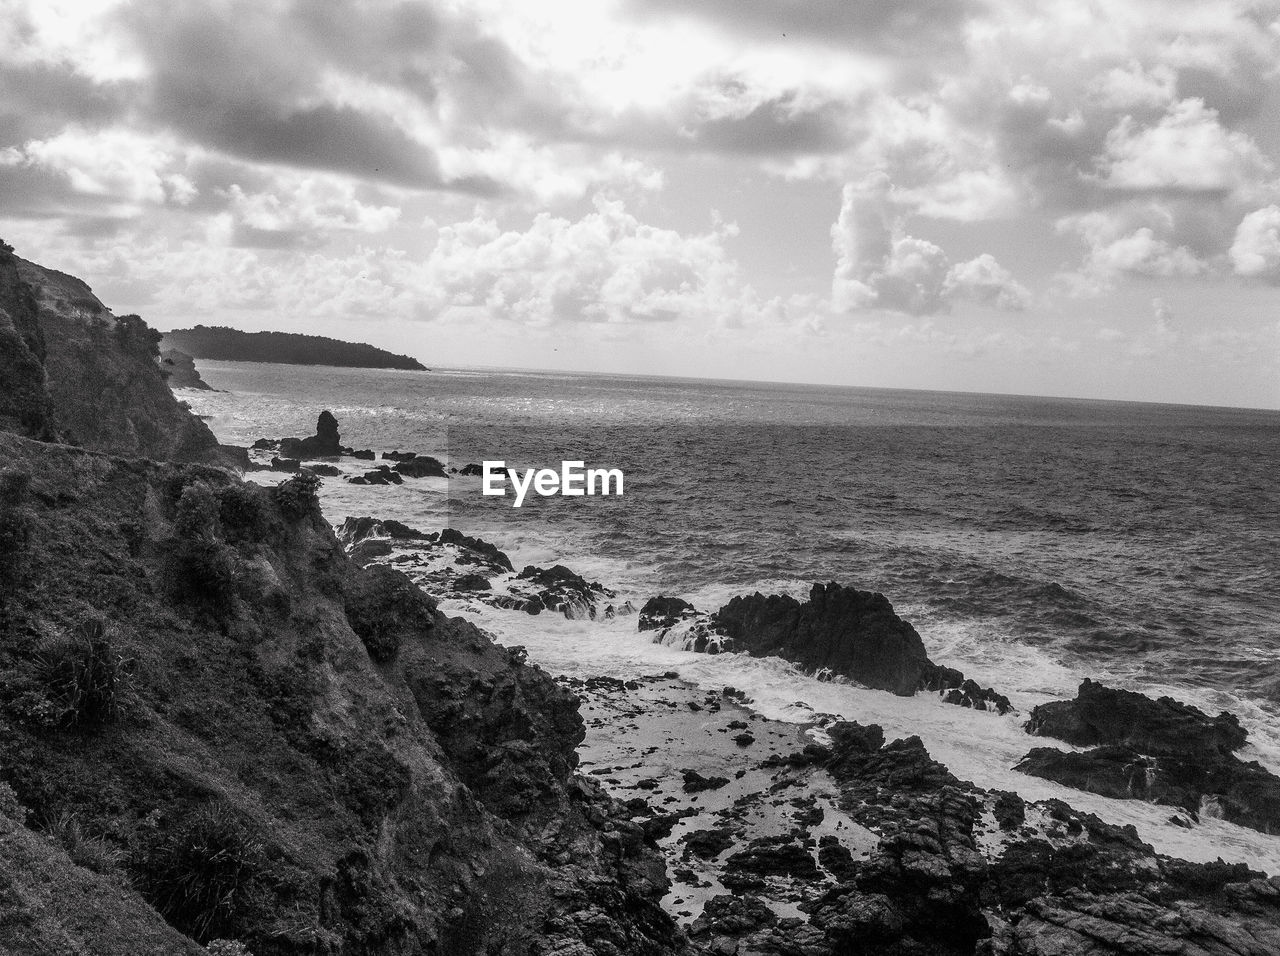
<point x="290" y="348"/>
<point x="217" y="734"/>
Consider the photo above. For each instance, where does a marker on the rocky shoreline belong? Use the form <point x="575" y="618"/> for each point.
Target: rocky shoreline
<point x="227" y="728"/>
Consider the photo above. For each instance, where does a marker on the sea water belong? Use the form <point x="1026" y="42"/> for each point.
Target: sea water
<point x="1032" y="542"/>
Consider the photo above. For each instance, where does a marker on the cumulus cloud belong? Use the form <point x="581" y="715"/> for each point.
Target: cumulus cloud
<point x="1188" y="150"/>
<point x="1255" y="252"/>
<point x="1145" y="239"/>
<point x="607" y="266"/>
<point x="879" y="266"/>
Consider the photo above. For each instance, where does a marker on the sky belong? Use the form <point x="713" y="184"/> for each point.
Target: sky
<point x="1053" y="197"/>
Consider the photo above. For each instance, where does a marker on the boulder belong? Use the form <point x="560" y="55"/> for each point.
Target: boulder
<point x="660" y="612"/>
<point x="323" y="470"/>
<point x="1104" y="715"/>
<point x="852" y="633"/>
<point x="398" y="455"/>
<point x="382" y="475"/>
<point x="421" y="466"/>
<point x="285" y="464"/>
<point x="471" y="469"/>
<point x="472" y="582"/>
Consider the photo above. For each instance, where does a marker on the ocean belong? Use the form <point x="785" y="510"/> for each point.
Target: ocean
<point x="1031" y="541"/>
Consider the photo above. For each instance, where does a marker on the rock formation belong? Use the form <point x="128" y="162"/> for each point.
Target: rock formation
<point x="179" y="369"/>
<point x="1163" y="751"/>
<point x="325" y="443"/>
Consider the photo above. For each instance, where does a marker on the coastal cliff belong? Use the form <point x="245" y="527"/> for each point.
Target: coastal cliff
<point x="73" y="370"/>
<point x="216" y="730"/>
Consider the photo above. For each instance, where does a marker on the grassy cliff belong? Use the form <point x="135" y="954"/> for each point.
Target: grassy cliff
<point x="215" y="730"/>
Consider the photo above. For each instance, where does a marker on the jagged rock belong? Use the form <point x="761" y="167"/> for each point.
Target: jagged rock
<point x="560" y="589"/>
<point x="774" y="856"/>
<point x="1103" y="715"/>
<point x="1010" y="810"/>
<point x="323" y="470"/>
<point x="663" y="612"/>
<point x="1163" y="751"/>
<point x="325" y="443"/>
<point x="285" y="464"/>
<point x="364" y="454"/>
<point x="1243" y="793"/>
<point x="382" y="475"/>
<point x="398" y="455"/>
<point x="843" y="631"/>
<point x="695" y="782"/>
<point x="266" y="444"/>
<point x="489" y="552"/>
<point x="421" y="466"/>
<point x="472" y="582"/>
<point x="180" y="370"/>
<point x="708" y="844"/>
<point x="471" y="469"/>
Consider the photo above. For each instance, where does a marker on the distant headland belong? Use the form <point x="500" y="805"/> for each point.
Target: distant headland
<point x="218" y="343"/>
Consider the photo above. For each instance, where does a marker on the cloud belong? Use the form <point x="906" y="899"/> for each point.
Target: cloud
<point x="902" y="26"/>
<point x="1255" y="252"/>
<point x="1187" y="150"/>
<point x="607" y="266"/>
<point x="879" y="266"/>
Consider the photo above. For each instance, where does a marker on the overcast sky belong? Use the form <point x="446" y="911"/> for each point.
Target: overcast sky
<point x="1049" y="196"/>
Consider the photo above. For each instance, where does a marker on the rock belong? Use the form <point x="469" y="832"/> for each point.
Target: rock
<point x="1010" y="810"/>
<point x="471" y="469"/>
<point x="560" y="589"/>
<point x="382" y="475"/>
<point x="285" y="464"/>
<point x="708" y="844"/>
<point x="421" y="466"/>
<point x="365" y="454"/>
<point x="695" y="782"/>
<point x="322" y="469"/>
<point x="235" y="456"/>
<point x="662" y="612"/>
<point x="1243" y="793"/>
<point x="849" y="632"/>
<point x="325" y="443"/>
<point x="489" y="552"/>
<point x="398" y="455"/>
<point x="1102" y="715"/>
<point x="744" y="740"/>
<point x="472" y="582"/>
<point x="774" y="856"/>
<point x="265" y="444"/>
<point x="179" y="369"/>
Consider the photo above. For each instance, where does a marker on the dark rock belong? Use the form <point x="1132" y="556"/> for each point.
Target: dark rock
<point x="325" y="443"/>
<point x="708" y="844"/>
<point x="774" y="856"/>
<point x="490" y="552"/>
<point x="733" y="917"/>
<point x="471" y="469"/>
<point x="472" y="582"/>
<point x="364" y="454"/>
<point x="1102" y="715"/>
<point x="744" y="740"/>
<point x="421" y="466"/>
<point x="179" y="369"/>
<point x="1243" y="793"/>
<point x="567" y="592"/>
<point x="285" y="464"/>
<point x="382" y="475"/>
<point x="265" y="444"/>
<point x="1010" y="810"/>
<point x="659" y="613"/>
<point x="695" y="782"/>
<point x="324" y="470"/>
<point x="398" y="455"/>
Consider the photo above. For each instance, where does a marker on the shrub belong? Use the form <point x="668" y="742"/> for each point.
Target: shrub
<point x="204" y="872"/>
<point x="206" y="574"/>
<point x="86" y="849"/>
<point x="83" y="677"/>
<point x="197" y="513"/>
<point x="243" y="512"/>
<point x="297" y="497"/>
<point x="15" y="522"/>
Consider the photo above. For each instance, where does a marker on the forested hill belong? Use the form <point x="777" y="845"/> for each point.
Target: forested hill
<point x="291" y="348"/>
